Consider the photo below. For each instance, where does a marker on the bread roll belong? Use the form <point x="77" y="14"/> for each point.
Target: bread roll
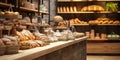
<point x="71" y="9"/>
<point x="58" y="9"/>
<point x="64" y="9"/>
<point x="67" y="8"/>
<point x="75" y="9"/>
<point x="84" y="8"/>
<point x="61" y="10"/>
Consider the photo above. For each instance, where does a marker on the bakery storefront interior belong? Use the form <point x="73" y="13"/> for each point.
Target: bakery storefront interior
<point x="59" y="30"/>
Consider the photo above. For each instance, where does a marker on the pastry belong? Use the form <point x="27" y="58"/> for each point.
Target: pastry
<point x="75" y="9"/>
<point x="84" y="9"/>
<point x="41" y="43"/>
<point x="28" y="44"/>
<point x="64" y="9"/>
<point x="77" y="34"/>
<point x="71" y="9"/>
<point x="67" y="8"/>
<point x="61" y="10"/>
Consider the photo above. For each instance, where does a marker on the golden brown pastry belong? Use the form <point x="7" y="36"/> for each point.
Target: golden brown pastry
<point x="61" y="9"/>
<point x="28" y="44"/>
<point x="95" y="8"/>
<point x="75" y="9"/>
<point x="116" y="22"/>
<point x="71" y="9"/>
<point x="21" y="36"/>
<point x="64" y="9"/>
<point x="41" y="43"/>
<point x="58" y="9"/>
<point x="67" y="8"/>
<point x="84" y="9"/>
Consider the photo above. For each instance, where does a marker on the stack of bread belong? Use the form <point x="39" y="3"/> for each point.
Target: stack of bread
<point x="77" y="21"/>
<point x="28" y="40"/>
<point x="67" y="9"/>
<point x="63" y="23"/>
<point x="104" y="21"/>
<point x="10" y="43"/>
<point x="31" y="44"/>
<point x="9" y="14"/>
<point x="72" y="22"/>
<point x="78" y="34"/>
<point x="93" y="8"/>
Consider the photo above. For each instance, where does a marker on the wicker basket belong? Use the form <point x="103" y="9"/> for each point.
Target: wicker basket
<point x="2" y="50"/>
<point x="12" y="49"/>
<point x="7" y="27"/>
<point x="11" y="16"/>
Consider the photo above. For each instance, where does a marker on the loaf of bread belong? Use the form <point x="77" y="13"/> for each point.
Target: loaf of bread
<point x="67" y="8"/>
<point x="28" y="44"/>
<point x="58" y="9"/>
<point x="7" y="41"/>
<point x="40" y="36"/>
<point x="41" y="43"/>
<point x="21" y="36"/>
<point x="64" y="9"/>
<point x="71" y="9"/>
<point x="28" y="34"/>
<point x="75" y="9"/>
<point x="93" y="8"/>
<point x="61" y="9"/>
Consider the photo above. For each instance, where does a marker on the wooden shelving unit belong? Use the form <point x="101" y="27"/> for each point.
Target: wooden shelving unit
<point x="44" y="12"/>
<point x="28" y="9"/>
<point x="6" y="5"/>
<point x="102" y="40"/>
<point x="85" y="0"/>
<point x="80" y="24"/>
<point x="86" y="12"/>
<point x="96" y="46"/>
<point x="96" y="24"/>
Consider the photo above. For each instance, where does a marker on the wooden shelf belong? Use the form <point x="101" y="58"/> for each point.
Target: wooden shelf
<point x="108" y="24"/>
<point x="62" y="28"/>
<point x="86" y="12"/>
<point x="80" y="24"/>
<point x="96" y="24"/>
<point x="44" y="12"/>
<point x="28" y="9"/>
<point x="101" y="40"/>
<point x="84" y="0"/>
<point x="5" y="4"/>
<point x="73" y="12"/>
<point x="31" y="24"/>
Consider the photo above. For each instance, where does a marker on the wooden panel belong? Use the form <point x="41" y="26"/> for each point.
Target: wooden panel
<point x="74" y="52"/>
<point x="103" y="48"/>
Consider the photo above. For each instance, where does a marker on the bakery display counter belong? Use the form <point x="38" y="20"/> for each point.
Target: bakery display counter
<point x="61" y="50"/>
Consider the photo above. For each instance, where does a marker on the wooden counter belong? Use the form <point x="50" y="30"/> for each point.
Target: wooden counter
<point x="71" y="48"/>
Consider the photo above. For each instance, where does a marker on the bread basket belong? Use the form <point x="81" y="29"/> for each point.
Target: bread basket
<point x="10" y="49"/>
<point x="7" y="27"/>
<point x="2" y="50"/>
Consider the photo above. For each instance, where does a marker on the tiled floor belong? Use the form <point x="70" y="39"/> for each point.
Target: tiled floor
<point x="90" y="57"/>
